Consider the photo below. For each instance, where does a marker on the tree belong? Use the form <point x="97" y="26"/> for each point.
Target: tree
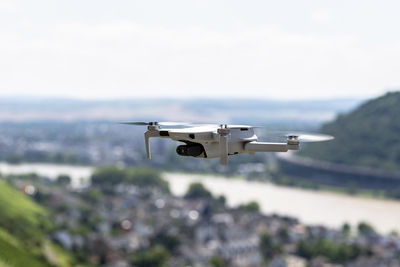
<point x="171" y="242"/>
<point x="357" y="140"/>
<point x="222" y="200"/>
<point x="93" y="195"/>
<point x="142" y="177"/>
<point x="109" y="176"/>
<point x="197" y="190"/>
<point x="63" y="179"/>
<point x="252" y="206"/>
<point x="147" y="178"/>
<point x="153" y="257"/>
<point x="268" y="247"/>
<point x="337" y="253"/>
<point x="365" y="228"/>
<point x="216" y="261"/>
<point x="346" y="229"/>
<point x="283" y="235"/>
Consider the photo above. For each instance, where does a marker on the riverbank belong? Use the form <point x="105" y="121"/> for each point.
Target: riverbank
<point x="310" y="206"/>
<point x="81" y="173"/>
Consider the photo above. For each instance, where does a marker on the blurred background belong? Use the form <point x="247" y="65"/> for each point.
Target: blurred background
<point x="76" y="188"/>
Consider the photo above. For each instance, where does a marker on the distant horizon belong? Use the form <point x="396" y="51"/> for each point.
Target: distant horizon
<point x="167" y="109"/>
<point x="33" y="97"/>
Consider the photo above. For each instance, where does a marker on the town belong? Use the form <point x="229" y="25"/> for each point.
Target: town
<point x="128" y="217"/>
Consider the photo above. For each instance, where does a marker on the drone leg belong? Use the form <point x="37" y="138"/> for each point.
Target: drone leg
<point x="147" y="136"/>
<point x="223" y="142"/>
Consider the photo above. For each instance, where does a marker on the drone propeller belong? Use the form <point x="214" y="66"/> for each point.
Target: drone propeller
<point x="303" y="137"/>
<point x="152" y="123"/>
<point x="309" y="137"/>
<point x="135" y="123"/>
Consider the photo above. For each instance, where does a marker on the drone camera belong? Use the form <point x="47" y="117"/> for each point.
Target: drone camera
<point x="164" y="133"/>
<point x="193" y="150"/>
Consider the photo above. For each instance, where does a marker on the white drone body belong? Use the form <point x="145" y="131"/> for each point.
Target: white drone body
<point x="220" y="141"/>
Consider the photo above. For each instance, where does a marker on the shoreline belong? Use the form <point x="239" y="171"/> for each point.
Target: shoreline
<point x="310" y="206"/>
<point x="360" y="193"/>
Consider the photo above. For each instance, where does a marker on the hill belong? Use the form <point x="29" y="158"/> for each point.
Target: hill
<point x="368" y="136"/>
<point x="23" y="229"/>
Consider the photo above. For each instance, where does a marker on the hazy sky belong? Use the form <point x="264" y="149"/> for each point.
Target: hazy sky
<point x="268" y="49"/>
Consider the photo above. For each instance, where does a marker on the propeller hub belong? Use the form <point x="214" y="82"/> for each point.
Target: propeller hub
<point x="152" y="127"/>
<point x="293" y="139"/>
<point x="223" y="130"/>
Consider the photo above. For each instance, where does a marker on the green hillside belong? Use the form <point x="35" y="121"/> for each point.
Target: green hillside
<point x="368" y="136"/>
<point x="23" y="229"/>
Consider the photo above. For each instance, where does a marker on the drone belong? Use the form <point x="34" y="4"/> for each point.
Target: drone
<point x="220" y="140"/>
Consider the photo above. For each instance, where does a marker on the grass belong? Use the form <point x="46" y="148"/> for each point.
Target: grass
<point x="12" y="253"/>
<point x="4" y="264"/>
<point x="24" y="226"/>
<point x="21" y="217"/>
<point x="56" y="255"/>
<point x="16" y="204"/>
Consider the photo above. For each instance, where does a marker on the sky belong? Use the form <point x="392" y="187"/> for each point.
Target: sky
<point x="282" y="50"/>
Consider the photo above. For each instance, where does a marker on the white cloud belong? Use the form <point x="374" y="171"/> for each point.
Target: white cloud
<point x="8" y="5"/>
<point x="123" y="58"/>
<point x="321" y="16"/>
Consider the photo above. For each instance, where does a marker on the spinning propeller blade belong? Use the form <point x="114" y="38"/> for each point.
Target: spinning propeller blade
<point x="135" y="123"/>
<point x="297" y="136"/>
<point x="310" y="137"/>
<point x="162" y="123"/>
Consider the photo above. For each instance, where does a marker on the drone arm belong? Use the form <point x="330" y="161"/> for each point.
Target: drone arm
<point x="265" y="147"/>
<point x="147" y="136"/>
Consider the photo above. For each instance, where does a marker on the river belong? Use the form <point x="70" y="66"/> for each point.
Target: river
<point x="311" y="207"/>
